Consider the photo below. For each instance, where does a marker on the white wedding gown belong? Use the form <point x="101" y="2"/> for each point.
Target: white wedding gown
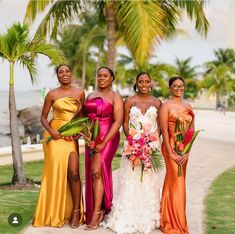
<point x="136" y="204"/>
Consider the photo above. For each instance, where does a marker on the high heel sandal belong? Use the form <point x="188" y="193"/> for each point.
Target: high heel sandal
<point x="90" y="227"/>
<point x="74" y="225"/>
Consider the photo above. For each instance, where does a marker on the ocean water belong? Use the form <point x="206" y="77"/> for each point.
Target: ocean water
<point x="24" y="99"/>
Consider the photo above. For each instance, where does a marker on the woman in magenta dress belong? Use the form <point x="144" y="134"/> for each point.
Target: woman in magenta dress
<point x="106" y="106"/>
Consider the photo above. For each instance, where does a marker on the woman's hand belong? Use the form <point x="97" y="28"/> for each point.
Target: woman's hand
<point x="176" y="158"/>
<point x="99" y="147"/>
<point x="184" y="159"/>
<point x="68" y="138"/>
<point x="76" y="137"/>
<point x="55" y="134"/>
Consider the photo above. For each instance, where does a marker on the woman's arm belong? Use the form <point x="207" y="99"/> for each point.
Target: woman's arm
<point x="158" y="106"/>
<point x="118" y="119"/>
<point x="81" y="98"/>
<point x="127" y="106"/>
<point x="163" y="119"/>
<point x="45" y="111"/>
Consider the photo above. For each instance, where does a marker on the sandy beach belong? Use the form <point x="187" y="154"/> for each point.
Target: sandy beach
<point x="212" y="153"/>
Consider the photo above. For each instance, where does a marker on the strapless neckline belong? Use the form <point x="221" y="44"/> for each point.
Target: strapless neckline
<point x="143" y="114"/>
<point x="104" y="99"/>
<point x="65" y="98"/>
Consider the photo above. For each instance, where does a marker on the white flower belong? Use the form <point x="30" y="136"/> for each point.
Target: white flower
<point x="154" y="144"/>
<point x="137" y="136"/>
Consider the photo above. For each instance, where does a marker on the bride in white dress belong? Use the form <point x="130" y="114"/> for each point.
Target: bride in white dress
<point x="136" y="204"/>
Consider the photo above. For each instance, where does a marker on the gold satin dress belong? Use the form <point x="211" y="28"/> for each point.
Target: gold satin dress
<point x="55" y="204"/>
<point x="173" y="203"/>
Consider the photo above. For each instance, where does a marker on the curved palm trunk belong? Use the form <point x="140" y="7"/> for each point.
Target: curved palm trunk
<point x="110" y="16"/>
<point x="18" y="176"/>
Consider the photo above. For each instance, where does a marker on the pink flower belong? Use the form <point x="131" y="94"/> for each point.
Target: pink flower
<point x="129" y="139"/>
<point x="188" y="136"/>
<point x="99" y="139"/>
<point x="91" y="145"/>
<point x="141" y="141"/>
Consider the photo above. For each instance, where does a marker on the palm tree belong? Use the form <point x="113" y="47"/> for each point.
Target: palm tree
<point x="219" y="81"/>
<point x="188" y="72"/>
<point x="143" y="24"/>
<point x="76" y="40"/>
<point x="17" y="47"/>
<point x="226" y="57"/>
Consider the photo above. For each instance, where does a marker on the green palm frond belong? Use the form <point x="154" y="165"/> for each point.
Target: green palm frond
<point x="194" y="10"/>
<point x="27" y="62"/>
<point x="60" y="14"/>
<point x="185" y="69"/>
<point x="17" y="46"/>
<point x="142" y="26"/>
<point x="35" y="7"/>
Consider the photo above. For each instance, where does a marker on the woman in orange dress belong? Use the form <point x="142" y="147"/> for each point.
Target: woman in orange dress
<point x="173" y="204"/>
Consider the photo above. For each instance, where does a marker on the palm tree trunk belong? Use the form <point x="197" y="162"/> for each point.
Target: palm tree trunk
<point x="110" y="16"/>
<point x="18" y="176"/>
<point x="217" y="98"/>
<point x="83" y="70"/>
<point x="100" y="52"/>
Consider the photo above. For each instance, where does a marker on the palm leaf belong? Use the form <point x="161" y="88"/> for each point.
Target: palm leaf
<point x="60" y="13"/>
<point x="157" y="161"/>
<point x="142" y="27"/>
<point x="35" y="7"/>
<point x="194" y="9"/>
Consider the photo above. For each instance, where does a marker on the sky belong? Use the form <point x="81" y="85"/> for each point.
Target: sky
<point x="220" y="14"/>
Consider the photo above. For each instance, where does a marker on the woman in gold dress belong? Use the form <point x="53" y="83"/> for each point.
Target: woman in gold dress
<point x="173" y="204"/>
<point x="60" y="196"/>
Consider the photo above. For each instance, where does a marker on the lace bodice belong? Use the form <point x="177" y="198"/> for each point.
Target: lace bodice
<point x="148" y="119"/>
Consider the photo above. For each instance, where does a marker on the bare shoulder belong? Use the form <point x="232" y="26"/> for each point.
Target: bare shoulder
<point x="116" y="96"/>
<point x="91" y="95"/>
<point x="165" y="105"/>
<point x="78" y="90"/>
<point x="52" y="94"/>
<point x="129" y="101"/>
<point x="188" y="105"/>
<point x="157" y="102"/>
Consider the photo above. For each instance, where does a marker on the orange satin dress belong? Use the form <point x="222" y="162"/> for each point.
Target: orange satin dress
<point x="55" y="203"/>
<point x="173" y="203"/>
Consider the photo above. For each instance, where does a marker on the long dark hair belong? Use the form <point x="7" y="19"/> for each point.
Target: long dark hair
<point x="137" y="77"/>
<point x="57" y="69"/>
<point x="109" y="69"/>
<point x="174" y="78"/>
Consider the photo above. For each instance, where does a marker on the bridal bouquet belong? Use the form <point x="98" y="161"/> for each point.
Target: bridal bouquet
<point x="184" y="138"/>
<point x="142" y="148"/>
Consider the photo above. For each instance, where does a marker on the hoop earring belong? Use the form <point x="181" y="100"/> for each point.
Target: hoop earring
<point x="137" y="90"/>
<point x="150" y="89"/>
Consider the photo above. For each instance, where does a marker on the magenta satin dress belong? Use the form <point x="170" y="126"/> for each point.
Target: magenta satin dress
<point x="101" y="109"/>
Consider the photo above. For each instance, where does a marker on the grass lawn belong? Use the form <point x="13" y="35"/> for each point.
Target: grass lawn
<point x="220" y="204"/>
<point x="24" y="201"/>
